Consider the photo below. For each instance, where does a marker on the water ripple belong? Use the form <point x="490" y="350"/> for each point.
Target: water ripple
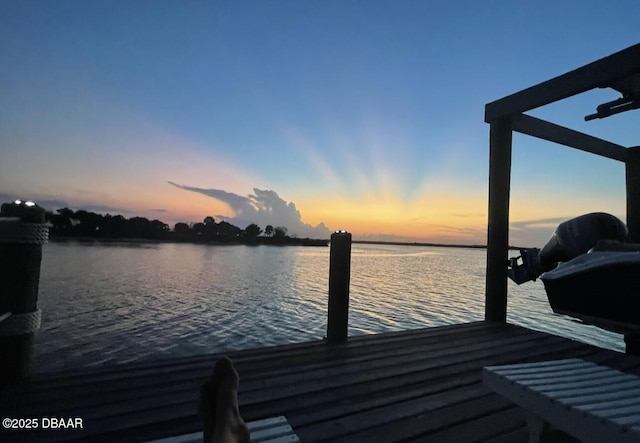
<point x="105" y="304"/>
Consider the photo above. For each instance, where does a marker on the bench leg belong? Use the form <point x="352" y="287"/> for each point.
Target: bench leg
<point x="538" y="428"/>
<point x="541" y="431"/>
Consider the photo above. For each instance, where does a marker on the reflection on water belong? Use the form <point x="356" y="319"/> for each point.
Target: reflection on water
<point x="105" y="303"/>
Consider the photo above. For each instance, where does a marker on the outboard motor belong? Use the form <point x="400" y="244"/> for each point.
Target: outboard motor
<point x="570" y="239"/>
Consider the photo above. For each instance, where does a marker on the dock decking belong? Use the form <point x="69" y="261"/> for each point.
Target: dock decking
<point x="418" y="385"/>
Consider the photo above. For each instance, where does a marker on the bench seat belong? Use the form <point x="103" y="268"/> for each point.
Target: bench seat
<point x="590" y="402"/>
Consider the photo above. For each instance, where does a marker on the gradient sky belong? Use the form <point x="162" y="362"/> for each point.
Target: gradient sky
<point x="364" y="115"/>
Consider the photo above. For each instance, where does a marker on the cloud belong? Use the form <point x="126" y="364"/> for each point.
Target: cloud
<point x="263" y="207"/>
<point x="540" y="223"/>
<point x="158" y="210"/>
<point x="533" y="232"/>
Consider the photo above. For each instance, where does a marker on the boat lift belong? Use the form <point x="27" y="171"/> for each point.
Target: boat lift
<point x="620" y="72"/>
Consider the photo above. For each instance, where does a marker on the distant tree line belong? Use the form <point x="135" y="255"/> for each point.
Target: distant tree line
<point x="84" y="224"/>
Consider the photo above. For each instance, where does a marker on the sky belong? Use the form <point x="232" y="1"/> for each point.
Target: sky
<point x="366" y="116"/>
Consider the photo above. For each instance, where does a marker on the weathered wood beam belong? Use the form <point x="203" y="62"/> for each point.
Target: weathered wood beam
<point x="498" y="231"/>
<point x="597" y="74"/>
<point x="535" y="127"/>
<point x="632" y="172"/>
<point x="339" y="277"/>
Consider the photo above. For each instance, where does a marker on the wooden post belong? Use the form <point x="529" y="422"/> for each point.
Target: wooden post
<point x="632" y="173"/>
<point x="498" y="231"/>
<point x="20" y="256"/>
<point x="339" y="275"/>
<point x="632" y="170"/>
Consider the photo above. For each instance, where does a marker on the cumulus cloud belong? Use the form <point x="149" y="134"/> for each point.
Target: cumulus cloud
<point x="263" y="207"/>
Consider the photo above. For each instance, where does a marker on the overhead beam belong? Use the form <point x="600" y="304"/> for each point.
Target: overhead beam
<point x="535" y="127"/>
<point x="597" y="74"/>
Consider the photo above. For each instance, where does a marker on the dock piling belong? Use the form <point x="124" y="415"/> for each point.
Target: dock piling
<point x="22" y="234"/>
<point x="339" y="276"/>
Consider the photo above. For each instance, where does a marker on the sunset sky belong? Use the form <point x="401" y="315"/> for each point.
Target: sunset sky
<point x="362" y="115"/>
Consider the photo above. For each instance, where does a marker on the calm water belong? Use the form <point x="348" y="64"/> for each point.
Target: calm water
<point x="108" y="303"/>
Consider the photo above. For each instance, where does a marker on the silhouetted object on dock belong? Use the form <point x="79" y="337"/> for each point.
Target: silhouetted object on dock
<point x="22" y="234"/>
<point x="339" y="276"/>
<point x="619" y="71"/>
<point x="629" y="87"/>
<point x="589" y="272"/>
<point x="571" y="238"/>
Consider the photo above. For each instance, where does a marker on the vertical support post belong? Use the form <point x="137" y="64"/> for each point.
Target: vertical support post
<point x="632" y="173"/>
<point x="339" y="275"/>
<point x="500" y="138"/>
<point x="21" y="237"/>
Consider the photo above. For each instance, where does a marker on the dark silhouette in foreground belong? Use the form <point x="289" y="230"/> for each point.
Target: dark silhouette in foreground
<point x="218" y="406"/>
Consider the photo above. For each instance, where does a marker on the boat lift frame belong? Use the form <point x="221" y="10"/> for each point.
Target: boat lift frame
<point x="508" y="114"/>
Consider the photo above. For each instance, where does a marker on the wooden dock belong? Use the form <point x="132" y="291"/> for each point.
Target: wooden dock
<point x="419" y="385"/>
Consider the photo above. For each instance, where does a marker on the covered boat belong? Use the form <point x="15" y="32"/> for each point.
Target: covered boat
<point x="600" y="288"/>
<point x="589" y="272"/>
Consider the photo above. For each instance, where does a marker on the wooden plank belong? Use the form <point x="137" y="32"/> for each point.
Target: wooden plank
<point x="520" y="435"/>
<point x="159" y="413"/>
<point x="481" y="427"/>
<point x="628" y="421"/>
<point x="547" y="377"/>
<point x="385" y="357"/>
<point x="584" y="382"/>
<point x="612" y="405"/>
<point x="573" y="394"/>
<point x="270" y="430"/>
<point x="423" y="424"/>
<point x="526" y="373"/>
<point x="364" y="396"/>
<point x="535" y="127"/>
<point x="600" y="397"/>
<point x="306" y="352"/>
<point x="383" y="377"/>
<point x="519" y="368"/>
<point x="597" y="74"/>
<point x="189" y="410"/>
<point x="418" y="364"/>
<point x="318" y="381"/>
<point x="254" y="371"/>
<point x="632" y="408"/>
<point x="350" y="424"/>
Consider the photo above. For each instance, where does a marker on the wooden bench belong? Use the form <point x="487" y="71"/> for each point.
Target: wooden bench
<point x="270" y="430"/>
<point x="590" y="402"/>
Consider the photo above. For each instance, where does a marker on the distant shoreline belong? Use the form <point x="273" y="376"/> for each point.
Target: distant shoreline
<point x="267" y="241"/>
<point x="437" y="245"/>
